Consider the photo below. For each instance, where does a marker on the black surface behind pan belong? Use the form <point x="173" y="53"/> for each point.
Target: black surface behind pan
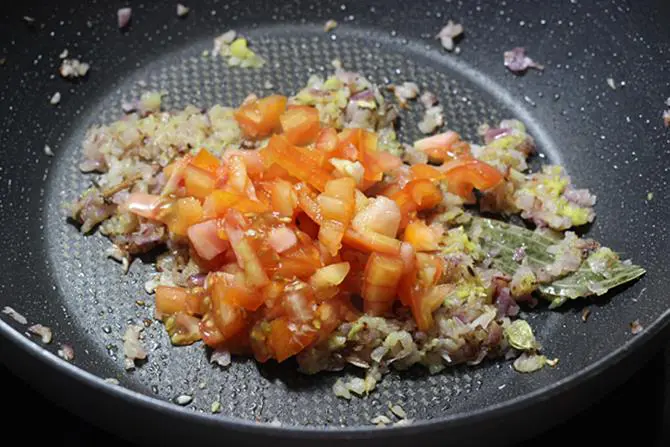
<point x="611" y="141"/>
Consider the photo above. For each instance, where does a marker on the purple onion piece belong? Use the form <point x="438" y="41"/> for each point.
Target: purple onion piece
<point x="363" y="95"/>
<point x="123" y="17"/>
<point x="197" y="280"/>
<point x="493" y="134"/>
<point x="517" y="61"/>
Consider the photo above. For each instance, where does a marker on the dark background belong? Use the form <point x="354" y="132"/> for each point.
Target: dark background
<point x="640" y="409"/>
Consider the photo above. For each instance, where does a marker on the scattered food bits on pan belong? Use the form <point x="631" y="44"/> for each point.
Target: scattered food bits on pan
<point x="666" y="118"/>
<point x="221" y="357"/>
<point x="66" y="352"/>
<point x="636" y="327"/>
<point x="132" y="347"/>
<point x="55" y="99"/>
<point x="650" y="196"/>
<point x="517" y="62"/>
<point x="3" y="60"/>
<point x="585" y="314"/>
<point x="182" y="11"/>
<point x="611" y="83"/>
<point x="123" y="17"/>
<point x="398" y="411"/>
<point x="552" y="362"/>
<point x="527" y="363"/>
<point x="381" y="420"/>
<point x="330" y="25"/>
<point x="29" y="20"/>
<point x="447" y="34"/>
<point x="183" y="399"/>
<point x="276" y="422"/>
<point x="112" y="381"/>
<point x="405" y="92"/>
<point x="14" y="315"/>
<point x="63" y="54"/>
<point x="402" y="422"/>
<point x="216" y="407"/>
<point x="236" y="51"/>
<point x="43" y="331"/>
<point x="73" y="68"/>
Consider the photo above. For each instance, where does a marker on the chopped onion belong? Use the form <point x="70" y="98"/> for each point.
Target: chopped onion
<point x="123" y="16"/>
<point x="282" y="239"/>
<point x="517" y="61"/>
<point x="66" y="352"/>
<point x="221" y="357"/>
<point x="42" y="331"/>
<point x="132" y="348"/>
<point x="14" y="315"/>
<point x="182" y="10"/>
<point x="330" y="25"/>
<point x="449" y="33"/>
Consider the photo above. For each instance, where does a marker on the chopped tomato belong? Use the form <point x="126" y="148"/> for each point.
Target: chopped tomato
<point x="420" y="236"/>
<point x="252" y="159"/>
<point x="326" y="140"/>
<point x="170" y="300"/>
<point x="465" y="175"/>
<point x="298" y="162"/>
<point x="229" y="318"/>
<point x="443" y="147"/>
<point x="282" y="239"/>
<point x="285" y="339"/>
<point x="233" y="289"/>
<point x="244" y="252"/>
<point x="145" y="205"/>
<point x="198" y="182"/>
<point x="369" y="241"/>
<point x="182" y="214"/>
<point x="260" y="118"/>
<point x="300" y="124"/>
<point x="336" y="205"/>
<point x="282" y="197"/>
<point x="424" y="304"/>
<point x="220" y="201"/>
<point x="380" y="281"/>
<point x="422" y="171"/>
<point x="205" y="239"/>
<point x="206" y="161"/>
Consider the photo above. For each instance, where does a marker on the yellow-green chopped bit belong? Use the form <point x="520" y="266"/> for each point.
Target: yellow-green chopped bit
<point x="520" y="336"/>
<point x="216" y="407"/>
<point x="650" y="195"/>
<point x="528" y="363"/>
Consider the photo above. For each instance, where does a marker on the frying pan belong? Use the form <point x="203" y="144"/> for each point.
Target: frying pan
<point x="610" y="140"/>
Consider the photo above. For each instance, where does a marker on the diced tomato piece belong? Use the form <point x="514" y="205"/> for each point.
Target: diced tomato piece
<point x="337" y="205"/>
<point x="443" y="147"/>
<point x="205" y="239"/>
<point x="199" y="182"/>
<point x="424" y="304"/>
<point x="170" y="300"/>
<point x="282" y="239"/>
<point x="260" y="118"/>
<point x="381" y="215"/>
<point x="326" y="140"/>
<point x="211" y="334"/>
<point x="283" y="198"/>
<point x="206" y="161"/>
<point x="300" y="124"/>
<point x="252" y="159"/>
<point x="465" y="175"/>
<point x="380" y="281"/>
<point x="420" y="236"/>
<point x="369" y="241"/>
<point x="425" y="193"/>
<point x="145" y="205"/>
<point x="423" y="171"/>
<point x="220" y="201"/>
<point x="182" y="214"/>
<point x="301" y="163"/>
<point x="232" y="288"/>
<point x="244" y="252"/>
<point x="284" y="342"/>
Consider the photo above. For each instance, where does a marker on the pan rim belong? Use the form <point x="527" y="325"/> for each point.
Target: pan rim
<point x="516" y="404"/>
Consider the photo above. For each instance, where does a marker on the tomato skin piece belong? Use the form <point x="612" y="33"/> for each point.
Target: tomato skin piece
<point x="423" y="171"/>
<point x="465" y="175"/>
<point x="145" y="205"/>
<point x="170" y="300"/>
<point x="424" y="304"/>
<point x="260" y="118"/>
<point x="300" y="124"/>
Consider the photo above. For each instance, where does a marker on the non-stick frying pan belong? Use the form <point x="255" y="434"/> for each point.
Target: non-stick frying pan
<point x="611" y="140"/>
